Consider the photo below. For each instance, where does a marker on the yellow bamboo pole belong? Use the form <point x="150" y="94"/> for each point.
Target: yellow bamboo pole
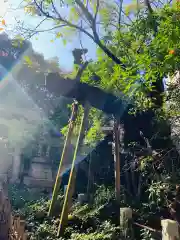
<point x="63" y="157"/>
<point x="71" y="183"/>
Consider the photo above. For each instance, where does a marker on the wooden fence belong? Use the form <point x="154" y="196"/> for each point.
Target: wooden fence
<point x="17" y="230"/>
<point x="11" y="228"/>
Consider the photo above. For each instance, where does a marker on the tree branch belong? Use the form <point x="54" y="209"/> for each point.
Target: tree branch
<point x="63" y="21"/>
<point x="89" y="17"/>
<point x="44" y="30"/>
<point x="97" y="9"/>
<point x="55" y="9"/>
<point x="148" y="5"/>
<point x="107" y="51"/>
<point x="85" y="11"/>
<point x="120" y="13"/>
<point x="80" y="71"/>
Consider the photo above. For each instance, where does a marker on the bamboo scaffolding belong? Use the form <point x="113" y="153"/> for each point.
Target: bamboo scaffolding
<point x="72" y="177"/>
<point x="64" y="156"/>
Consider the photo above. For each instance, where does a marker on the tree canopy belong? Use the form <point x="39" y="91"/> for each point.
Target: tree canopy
<point x="137" y="44"/>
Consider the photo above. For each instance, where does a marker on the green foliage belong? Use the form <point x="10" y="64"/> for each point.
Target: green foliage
<point x="146" y="234"/>
<point x="82" y="217"/>
<point x="103" y="195"/>
<point x="96" y="122"/>
<point x="20" y="195"/>
<point x="133" y="41"/>
<point x="46" y="231"/>
<point x="106" y="231"/>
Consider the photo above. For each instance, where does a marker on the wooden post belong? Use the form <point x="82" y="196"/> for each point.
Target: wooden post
<point x="90" y="181"/>
<point x="126" y="222"/>
<point x="116" y="153"/>
<point x="116" y="159"/>
<point x="22" y="229"/>
<point x="170" y="230"/>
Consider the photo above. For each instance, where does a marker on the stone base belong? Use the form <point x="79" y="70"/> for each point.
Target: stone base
<point x="82" y="198"/>
<point x="34" y="183"/>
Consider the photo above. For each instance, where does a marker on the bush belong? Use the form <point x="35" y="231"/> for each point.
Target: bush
<point x="106" y="231"/>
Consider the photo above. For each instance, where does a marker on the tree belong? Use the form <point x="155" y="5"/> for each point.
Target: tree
<point x="127" y="46"/>
<point x="134" y="55"/>
<point x="136" y="48"/>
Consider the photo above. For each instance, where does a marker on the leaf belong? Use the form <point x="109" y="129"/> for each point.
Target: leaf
<point x="1" y="29"/>
<point x="52" y="40"/>
<point x="59" y="34"/>
<point x="64" y="42"/>
<point x="74" y="15"/>
<point x="19" y="40"/>
<point x="31" y="9"/>
<point x="14" y="43"/>
<point x="69" y="2"/>
<point x="28" y="60"/>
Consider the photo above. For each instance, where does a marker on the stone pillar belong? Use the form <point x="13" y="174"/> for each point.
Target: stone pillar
<point x="82" y="198"/>
<point x="126" y="222"/>
<point x="170" y="230"/>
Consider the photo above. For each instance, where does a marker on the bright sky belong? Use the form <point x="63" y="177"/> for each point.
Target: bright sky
<point x="44" y="44"/>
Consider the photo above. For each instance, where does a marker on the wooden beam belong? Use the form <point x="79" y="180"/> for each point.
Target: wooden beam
<point x="116" y="159"/>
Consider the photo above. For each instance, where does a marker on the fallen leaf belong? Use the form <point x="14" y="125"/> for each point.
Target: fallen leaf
<point x="3" y="22"/>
